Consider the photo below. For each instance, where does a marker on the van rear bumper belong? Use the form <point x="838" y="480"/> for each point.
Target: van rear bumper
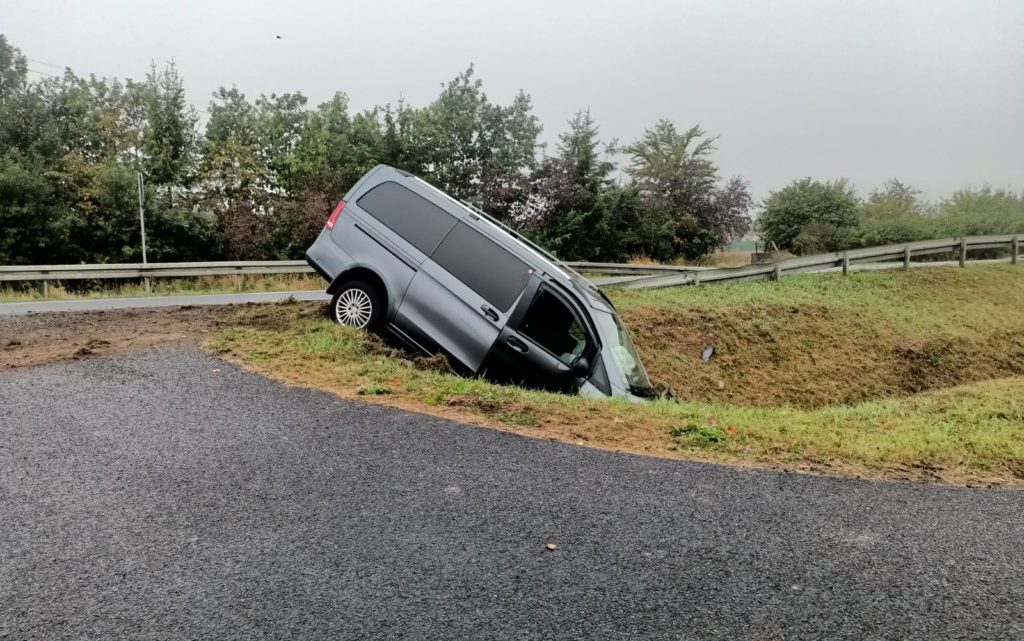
<point x="316" y="266"/>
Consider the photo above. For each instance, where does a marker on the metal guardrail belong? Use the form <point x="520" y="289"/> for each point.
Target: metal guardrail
<point x="152" y="270"/>
<point x="841" y="260"/>
<point x="626" y="275"/>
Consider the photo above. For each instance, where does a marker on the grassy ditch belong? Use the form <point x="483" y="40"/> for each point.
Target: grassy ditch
<point x="820" y="340"/>
<point x="964" y="428"/>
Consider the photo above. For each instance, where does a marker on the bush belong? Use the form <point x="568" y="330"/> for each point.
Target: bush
<point x="980" y="211"/>
<point x="809" y="216"/>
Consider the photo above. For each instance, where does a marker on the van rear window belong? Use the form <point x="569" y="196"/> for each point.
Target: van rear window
<point x="409" y="215"/>
<point x="483" y="265"/>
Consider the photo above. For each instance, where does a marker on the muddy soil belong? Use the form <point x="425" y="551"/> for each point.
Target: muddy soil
<point x="35" y="339"/>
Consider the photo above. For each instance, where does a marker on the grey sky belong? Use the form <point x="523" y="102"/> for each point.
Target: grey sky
<point x="931" y="92"/>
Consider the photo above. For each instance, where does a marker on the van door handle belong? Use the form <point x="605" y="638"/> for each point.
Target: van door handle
<point x="489" y="313"/>
<point x="517" y="344"/>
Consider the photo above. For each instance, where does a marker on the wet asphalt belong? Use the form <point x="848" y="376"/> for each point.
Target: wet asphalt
<point x="168" y="495"/>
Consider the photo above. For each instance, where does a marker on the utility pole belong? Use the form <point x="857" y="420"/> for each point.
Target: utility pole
<point x="142" y="224"/>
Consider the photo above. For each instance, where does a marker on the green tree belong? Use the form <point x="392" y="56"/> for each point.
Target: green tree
<point x="13" y="70"/>
<point x="169" y="141"/>
<point x="981" y="211"/>
<point x="280" y="123"/>
<point x="472" y="148"/>
<point x="231" y="166"/>
<point x="810" y="216"/>
<point x="565" y="211"/>
<point x="28" y="212"/>
<point x="688" y="212"/>
<point x="896" y="213"/>
<point x="336" y="149"/>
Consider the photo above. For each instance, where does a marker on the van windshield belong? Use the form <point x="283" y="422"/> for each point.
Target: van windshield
<point x="616" y="338"/>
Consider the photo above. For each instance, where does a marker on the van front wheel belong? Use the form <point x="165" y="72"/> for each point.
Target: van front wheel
<point x="357" y="304"/>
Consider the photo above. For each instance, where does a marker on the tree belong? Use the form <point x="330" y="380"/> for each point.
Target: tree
<point x="810" y="216"/>
<point x="894" y="214"/>
<point x="336" y="149"/>
<point x="687" y="212"/>
<point x="564" y="211"/>
<point x="13" y="70"/>
<point x="472" y="148"/>
<point x="231" y="167"/>
<point x="169" y="140"/>
<point x="981" y="211"/>
<point x="280" y="123"/>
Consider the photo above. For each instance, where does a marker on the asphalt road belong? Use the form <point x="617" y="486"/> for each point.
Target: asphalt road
<point x="92" y="304"/>
<point x="168" y="495"/>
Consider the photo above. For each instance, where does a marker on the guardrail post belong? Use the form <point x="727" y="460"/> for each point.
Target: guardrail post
<point x="46" y="289"/>
<point x="846" y="263"/>
<point x="963" y="251"/>
<point x="906" y="258"/>
<point x="777" y="272"/>
<point x="238" y="282"/>
<point x="1014" y="249"/>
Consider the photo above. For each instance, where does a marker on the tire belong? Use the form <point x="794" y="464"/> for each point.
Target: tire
<point x="357" y="304"/>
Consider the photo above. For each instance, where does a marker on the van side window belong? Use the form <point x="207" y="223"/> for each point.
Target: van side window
<point x="483" y="265"/>
<point x="553" y="326"/>
<point x="409" y="215"/>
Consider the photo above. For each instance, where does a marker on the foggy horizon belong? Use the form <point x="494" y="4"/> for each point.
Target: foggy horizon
<point x="928" y="93"/>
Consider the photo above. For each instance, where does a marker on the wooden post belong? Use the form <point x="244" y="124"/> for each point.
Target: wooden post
<point x="238" y="282"/>
<point x="963" y="250"/>
<point x="777" y="272"/>
<point x="1014" y="249"/>
<point x="46" y="289"/>
<point x="846" y="263"/>
<point x="906" y="258"/>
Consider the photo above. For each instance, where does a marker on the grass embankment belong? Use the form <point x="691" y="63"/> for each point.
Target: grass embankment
<point x="810" y="374"/>
<point x="819" y="340"/>
<point x="163" y="287"/>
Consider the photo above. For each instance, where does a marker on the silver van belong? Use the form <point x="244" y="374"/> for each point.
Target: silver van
<point x="405" y="258"/>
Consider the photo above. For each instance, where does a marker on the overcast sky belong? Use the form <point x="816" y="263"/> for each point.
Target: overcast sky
<point x="930" y="92"/>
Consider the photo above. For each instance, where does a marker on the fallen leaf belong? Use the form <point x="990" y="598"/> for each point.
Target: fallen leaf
<point x="551" y="546"/>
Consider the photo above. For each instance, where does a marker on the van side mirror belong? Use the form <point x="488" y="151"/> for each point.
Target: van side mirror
<point x="581" y="366"/>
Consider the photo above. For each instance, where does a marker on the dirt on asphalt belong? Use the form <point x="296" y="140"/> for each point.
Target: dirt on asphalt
<point x="35" y="339"/>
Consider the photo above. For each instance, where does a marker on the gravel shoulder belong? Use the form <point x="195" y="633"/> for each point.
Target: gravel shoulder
<point x="166" y="494"/>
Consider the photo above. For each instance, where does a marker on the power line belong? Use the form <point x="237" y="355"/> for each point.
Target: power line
<point x="45" y="64"/>
<point x="44" y="73"/>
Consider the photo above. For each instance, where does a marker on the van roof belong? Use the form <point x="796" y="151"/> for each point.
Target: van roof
<point x="540" y="258"/>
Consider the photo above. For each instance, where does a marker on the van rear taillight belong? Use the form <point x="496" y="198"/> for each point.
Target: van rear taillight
<point x="334" y="214"/>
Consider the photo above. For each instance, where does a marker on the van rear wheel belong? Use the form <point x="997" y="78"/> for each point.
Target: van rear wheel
<point x="357" y="304"/>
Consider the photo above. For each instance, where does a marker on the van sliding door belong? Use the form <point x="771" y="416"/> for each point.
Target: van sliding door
<point x="461" y="296"/>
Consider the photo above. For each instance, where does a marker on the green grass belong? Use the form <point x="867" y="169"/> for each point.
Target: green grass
<point x="918" y="300"/>
<point x="816" y="340"/>
<point x="965" y="434"/>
